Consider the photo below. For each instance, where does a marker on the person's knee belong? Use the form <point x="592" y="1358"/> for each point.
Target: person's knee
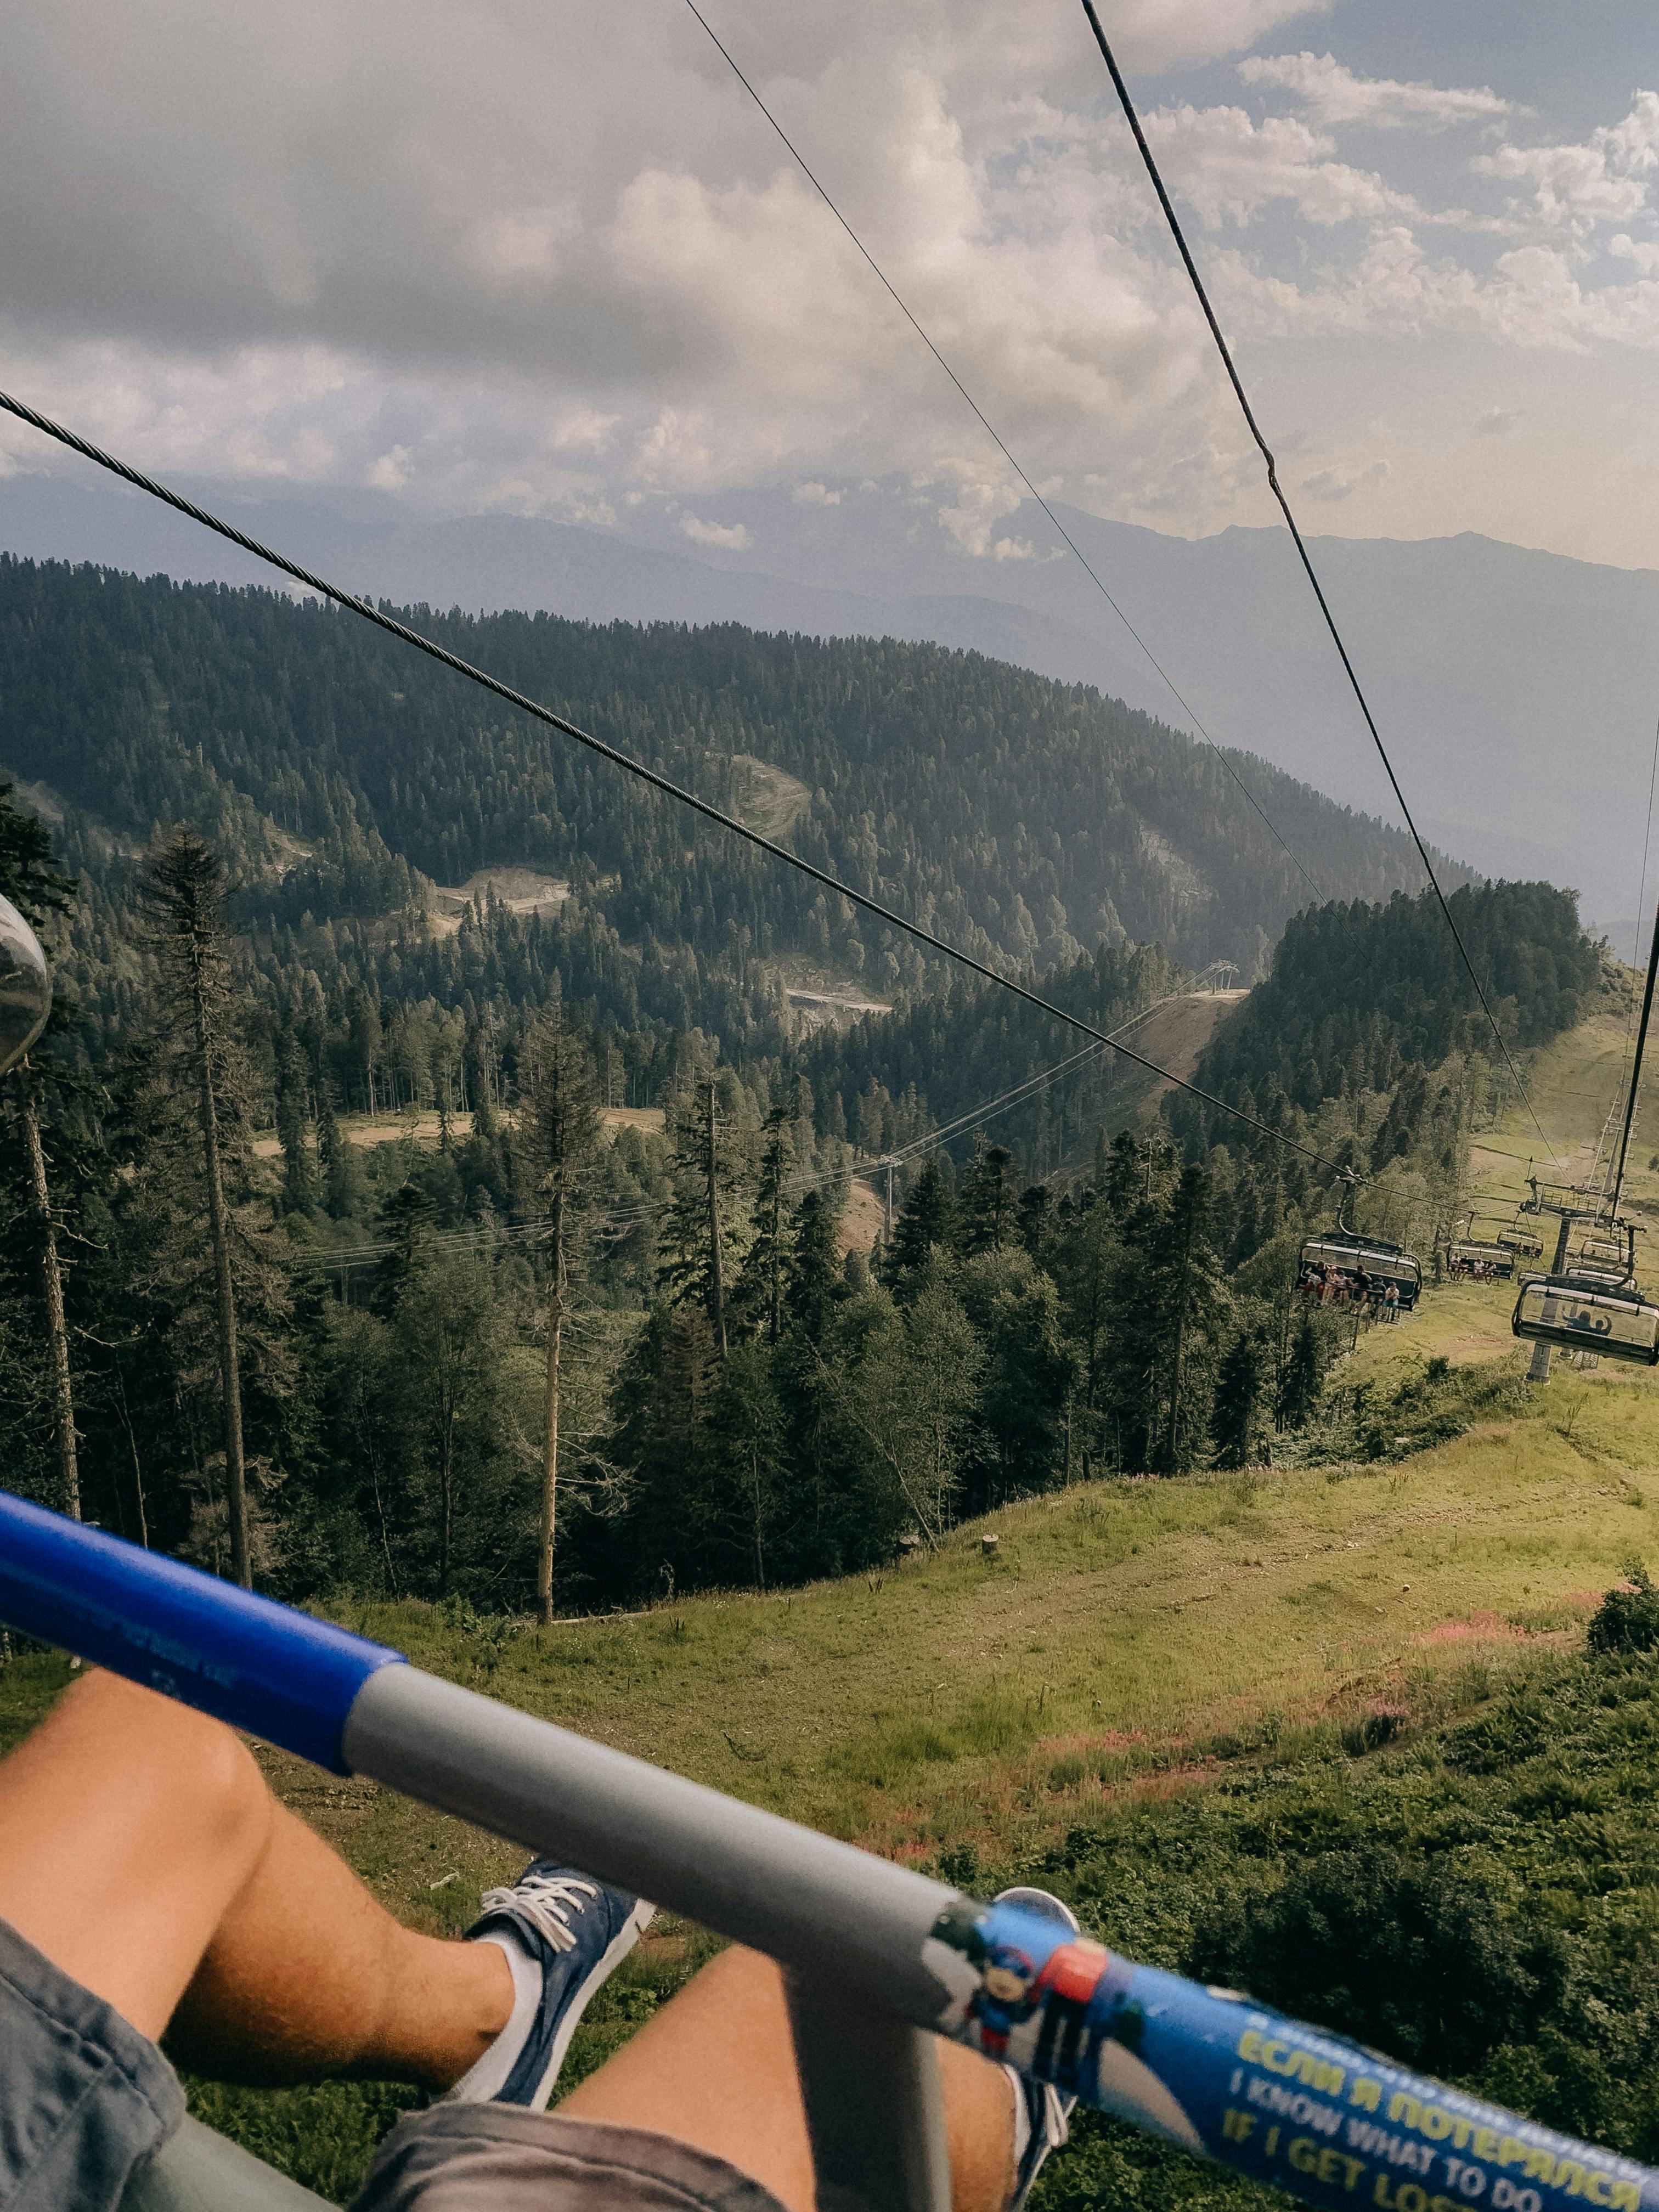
<point x="195" y="1764"/>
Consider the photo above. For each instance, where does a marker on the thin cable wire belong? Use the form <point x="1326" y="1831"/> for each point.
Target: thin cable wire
<point x="637" y="768"/>
<point x="996" y="438"/>
<point x="974" y="1115"/>
<point x="1274" y="486"/>
<point x="616" y="1218"/>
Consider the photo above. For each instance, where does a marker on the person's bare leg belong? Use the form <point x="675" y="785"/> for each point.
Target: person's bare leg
<point x="716" y="2068"/>
<point x="142" y="1852"/>
<point x="307" y="1975"/>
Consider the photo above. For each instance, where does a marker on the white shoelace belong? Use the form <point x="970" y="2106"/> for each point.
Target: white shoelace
<point x="544" y="1900"/>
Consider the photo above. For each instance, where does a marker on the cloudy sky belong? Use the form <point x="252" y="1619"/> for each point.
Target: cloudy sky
<point x="533" y="256"/>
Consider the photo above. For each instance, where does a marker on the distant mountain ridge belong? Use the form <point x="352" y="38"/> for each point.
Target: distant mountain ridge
<point x="1023" y="820"/>
<point x="1517" y="689"/>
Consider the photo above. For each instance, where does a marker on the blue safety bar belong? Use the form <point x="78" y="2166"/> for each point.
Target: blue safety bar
<point x="280" y="1674"/>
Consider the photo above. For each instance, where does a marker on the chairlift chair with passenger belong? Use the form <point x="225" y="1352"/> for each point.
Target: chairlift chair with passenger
<point x="1357" y="1262"/>
<point x="880" y="1957"/>
<point x="1594" y="1305"/>
<point x="1521" y="1239"/>
<point x="1488" y="1257"/>
<point x="1559" y="1309"/>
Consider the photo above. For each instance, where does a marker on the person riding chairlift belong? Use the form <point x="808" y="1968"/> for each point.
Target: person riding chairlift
<point x="219" y="1920"/>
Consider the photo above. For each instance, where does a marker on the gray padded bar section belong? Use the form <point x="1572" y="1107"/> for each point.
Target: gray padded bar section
<point x="198" y="2170"/>
<point x="875" y="2106"/>
<point x="843" y="1918"/>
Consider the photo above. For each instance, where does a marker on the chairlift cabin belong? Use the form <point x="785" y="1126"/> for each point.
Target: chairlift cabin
<point x="1481" y="1252"/>
<point x="1618" y="1324"/>
<point x="1495" y="1262"/>
<point x="1602" y="1256"/>
<point x="1367" y="1262"/>
<point x="1523" y="1240"/>
<point x="24" y="987"/>
<point x="1343" y="1263"/>
<point x="1598" y="1248"/>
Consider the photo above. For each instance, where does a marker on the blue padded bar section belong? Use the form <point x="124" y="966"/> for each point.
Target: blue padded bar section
<point x="247" y="1660"/>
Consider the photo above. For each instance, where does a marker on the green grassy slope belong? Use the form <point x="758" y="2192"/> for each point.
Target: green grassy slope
<point x="1134" y="1642"/>
<point x="1574" y="1084"/>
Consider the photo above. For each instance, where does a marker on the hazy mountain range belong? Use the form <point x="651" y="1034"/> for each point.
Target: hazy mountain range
<point x="1518" y="690"/>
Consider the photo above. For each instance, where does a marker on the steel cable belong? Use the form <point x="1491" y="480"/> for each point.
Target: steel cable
<point x="629" y="766"/>
<point x="1274" y="486"/>
<point x="995" y="436"/>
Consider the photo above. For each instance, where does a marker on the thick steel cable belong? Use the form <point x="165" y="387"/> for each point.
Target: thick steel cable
<point x="629" y="766"/>
<point x="995" y="436"/>
<point x="1277" y="489"/>
<point x="1635" y="954"/>
<point x="1636" y="1068"/>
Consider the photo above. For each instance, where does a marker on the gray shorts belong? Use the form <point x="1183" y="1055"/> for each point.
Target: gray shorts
<point x="500" y="2157"/>
<point x="87" y="2103"/>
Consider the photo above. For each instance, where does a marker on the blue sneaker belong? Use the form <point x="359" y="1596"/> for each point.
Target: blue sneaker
<point x="564" y="1934"/>
<point x="1043" y="2114"/>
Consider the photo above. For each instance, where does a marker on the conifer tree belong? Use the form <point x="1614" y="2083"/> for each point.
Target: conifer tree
<point x="408" y="1220"/>
<point x="760" y="1290"/>
<point x="815" y="1274"/>
<point x="701" y="1233"/>
<point x="1300" y="1394"/>
<point x="186" y="884"/>
<point x="1187" y="1277"/>
<point x="293" y="1117"/>
<point x="1085" y="1257"/>
<point x="927" y="1220"/>
<point x="1241" y="1389"/>
<point x="743" y="1441"/>
<point x="331" y="1152"/>
<point x="986" y="1211"/>
<point x="558" y="1135"/>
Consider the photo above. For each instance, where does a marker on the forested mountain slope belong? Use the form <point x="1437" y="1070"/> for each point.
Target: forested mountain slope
<point x="1366" y="999"/>
<point x="1025" y="819"/>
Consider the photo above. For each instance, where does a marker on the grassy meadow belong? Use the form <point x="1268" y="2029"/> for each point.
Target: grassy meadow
<point x="1132" y="1644"/>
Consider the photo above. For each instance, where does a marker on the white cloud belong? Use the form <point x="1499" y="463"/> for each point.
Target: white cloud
<point x="1602" y="179"/>
<point x="1336" y="483"/>
<point x="730" y="537"/>
<point x="390" y="470"/>
<point x="1497" y="423"/>
<point x="970" y="521"/>
<point x="1230" y="168"/>
<point x="1190" y="31"/>
<point x="648" y="304"/>
<point x="1644" y="255"/>
<point x="1336" y="97"/>
<point x="1532" y="299"/>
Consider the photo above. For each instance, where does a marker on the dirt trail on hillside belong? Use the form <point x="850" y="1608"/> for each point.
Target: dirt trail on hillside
<point x="387" y="1129"/>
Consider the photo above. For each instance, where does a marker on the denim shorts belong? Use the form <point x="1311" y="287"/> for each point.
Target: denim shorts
<point x="85" y="2100"/>
<point x="87" y="2103"/>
